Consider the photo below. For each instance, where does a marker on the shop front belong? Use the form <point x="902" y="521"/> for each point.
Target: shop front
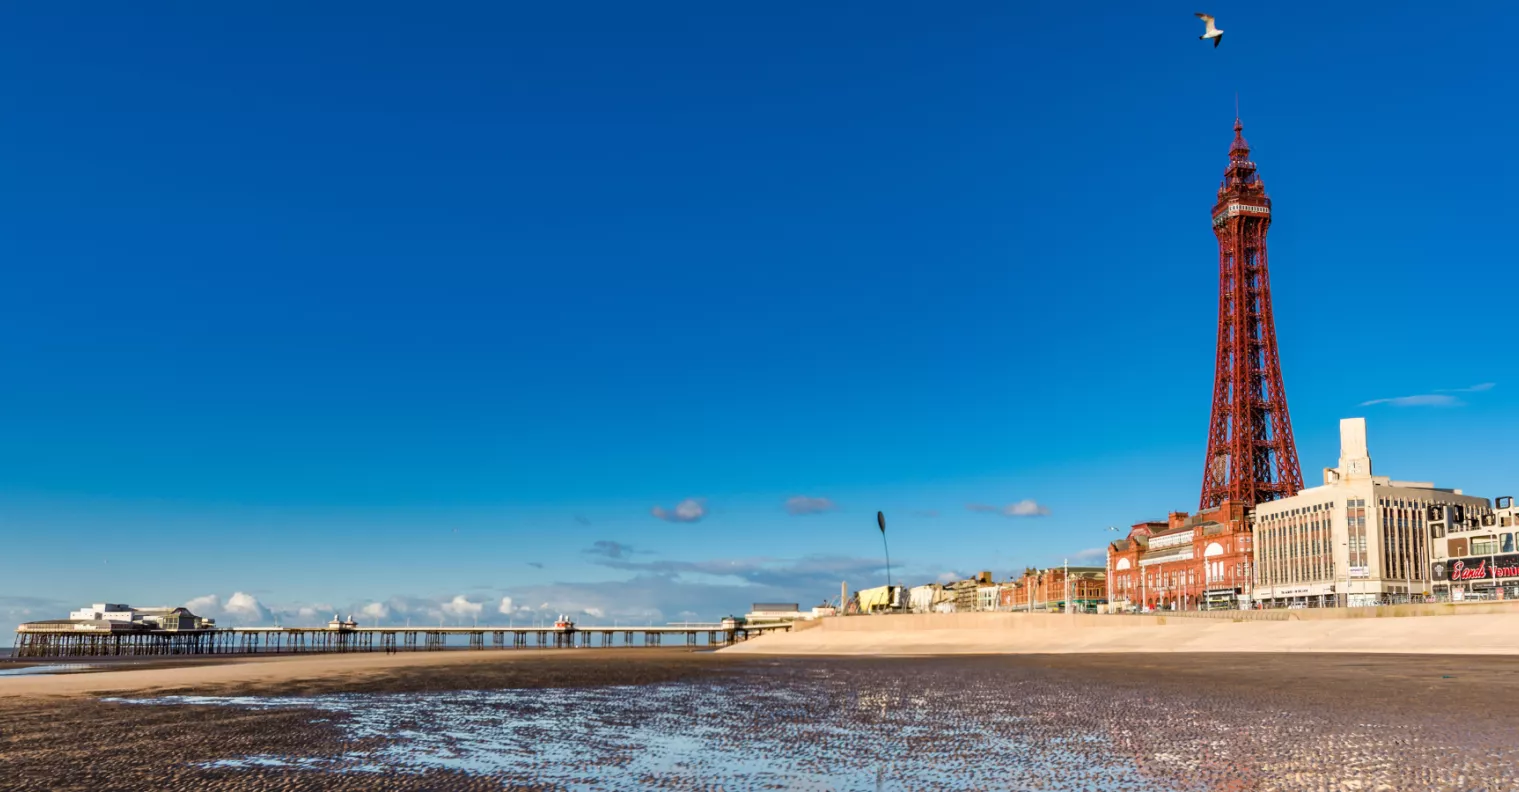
<point x="1302" y="595"/>
<point x="1221" y="599"/>
<point x="1490" y="577"/>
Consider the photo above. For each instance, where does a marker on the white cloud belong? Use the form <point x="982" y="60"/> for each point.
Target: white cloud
<point x="1421" y="400"/>
<point x="950" y="577"/>
<point x="1091" y="554"/>
<point x="375" y="611"/>
<point x="803" y="504"/>
<point x="460" y="607"/>
<point x="245" y="606"/>
<point x="506" y="606"/>
<point x="1439" y="398"/>
<point x="1027" y="507"/>
<point x="15" y="609"/>
<point x="209" y="605"/>
<point x="240" y="608"/>
<point x="596" y="613"/>
<point x="689" y="510"/>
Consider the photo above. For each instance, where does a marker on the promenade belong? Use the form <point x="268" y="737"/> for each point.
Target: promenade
<point x="1478" y="628"/>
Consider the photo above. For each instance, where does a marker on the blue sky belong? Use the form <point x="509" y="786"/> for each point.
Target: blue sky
<point x="377" y="303"/>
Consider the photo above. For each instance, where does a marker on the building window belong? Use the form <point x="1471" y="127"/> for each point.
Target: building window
<point x="1484" y="545"/>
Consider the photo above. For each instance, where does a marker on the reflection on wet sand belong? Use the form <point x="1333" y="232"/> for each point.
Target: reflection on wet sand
<point x="950" y="724"/>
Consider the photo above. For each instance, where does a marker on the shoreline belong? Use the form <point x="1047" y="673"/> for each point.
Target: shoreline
<point x="269" y="674"/>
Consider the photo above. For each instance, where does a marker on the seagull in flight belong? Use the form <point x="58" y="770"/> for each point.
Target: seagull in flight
<point x="1212" y="32"/>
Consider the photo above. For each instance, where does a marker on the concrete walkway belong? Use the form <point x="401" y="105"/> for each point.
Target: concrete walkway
<point x="1460" y="631"/>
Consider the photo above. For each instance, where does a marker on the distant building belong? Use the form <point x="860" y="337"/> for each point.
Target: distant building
<point x="775" y="611"/>
<point x="1474" y="556"/>
<point x="877" y="600"/>
<point x="1359" y="539"/>
<point x="963" y="596"/>
<point x="921" y="599"/>
<point x="106" y="611"/>
<point x="1045" y="590"/>
<point x="986" y="597"/>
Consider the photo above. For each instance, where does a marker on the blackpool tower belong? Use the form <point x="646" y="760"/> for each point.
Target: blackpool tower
<point x="1251" y="457"/>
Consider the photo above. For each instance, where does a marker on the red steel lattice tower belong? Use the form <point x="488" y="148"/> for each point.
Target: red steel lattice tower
<point x="1251" y="457"/>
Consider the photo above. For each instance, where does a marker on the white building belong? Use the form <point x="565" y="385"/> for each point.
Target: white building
<point x="163" y="618"/>
<point x="776" y="611"/>
<point x="106" y="611"/>
<point x="1359" y="539"/>
<point x="921" y="599"/>
<point x="987" y="597"/>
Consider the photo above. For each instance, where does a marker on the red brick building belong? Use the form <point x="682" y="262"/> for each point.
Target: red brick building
<point x="1187" y="562"/>
<point x="1047" y="588"/>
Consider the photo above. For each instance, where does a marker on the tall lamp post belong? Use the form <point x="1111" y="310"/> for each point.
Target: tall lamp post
<point x="881" y="523"/>
<point x="1066" y="574"/>
<point x="1109" y="575"/>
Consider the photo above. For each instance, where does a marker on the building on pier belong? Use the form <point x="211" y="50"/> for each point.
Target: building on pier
<point x="775" y="611"/>
<point x="162" y="618"/>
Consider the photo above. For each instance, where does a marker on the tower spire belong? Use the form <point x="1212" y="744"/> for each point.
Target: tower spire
<point x="1251" y="454"/>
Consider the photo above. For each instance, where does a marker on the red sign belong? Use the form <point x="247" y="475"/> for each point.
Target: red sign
<point x="1483" y="568"/>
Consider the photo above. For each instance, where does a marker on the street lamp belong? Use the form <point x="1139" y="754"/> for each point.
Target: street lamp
<point x="1109" y="575"/>
<point x="1066" y="580"/>
<point x="1348" y="570"/>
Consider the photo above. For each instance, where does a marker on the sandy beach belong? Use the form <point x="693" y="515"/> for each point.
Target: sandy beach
<point x="1310" y="715"/>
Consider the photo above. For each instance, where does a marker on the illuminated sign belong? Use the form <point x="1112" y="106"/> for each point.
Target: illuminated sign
<point x="1504" y="567"/>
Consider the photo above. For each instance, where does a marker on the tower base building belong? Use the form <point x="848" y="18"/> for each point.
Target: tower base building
<point x="1359" y="539"/>
<point x="1196" y="561"/>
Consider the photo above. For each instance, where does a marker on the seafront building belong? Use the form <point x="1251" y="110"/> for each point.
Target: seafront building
<point x="1035" y="590"/>
<point x="1184" y="562"/>
<point x="1046" y="589"/>
<point x="1474" y="556"/>
<point x="1358" y="539"/>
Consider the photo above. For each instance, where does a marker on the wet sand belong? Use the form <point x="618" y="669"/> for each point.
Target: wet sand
<point x="1215" y="721"/>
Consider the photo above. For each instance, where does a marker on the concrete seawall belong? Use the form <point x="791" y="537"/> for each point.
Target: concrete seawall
<point x="1478" y="628"/>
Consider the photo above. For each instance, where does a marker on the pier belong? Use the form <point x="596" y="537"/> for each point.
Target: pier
<point x="102" y="639"/>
